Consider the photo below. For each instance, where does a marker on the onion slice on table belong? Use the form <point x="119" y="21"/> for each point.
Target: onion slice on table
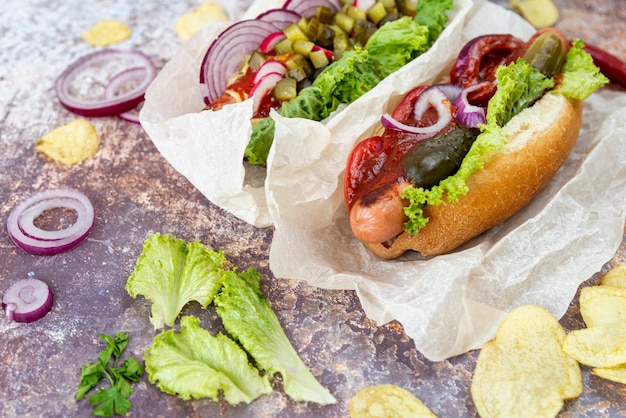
<point x="226" y="54"/>
<point x="433" y="96"/>
<point x="69" y="83"/>
<point x="122" y="81"/>
<point x="34" y="240"/>
<point x="27" y="300"/>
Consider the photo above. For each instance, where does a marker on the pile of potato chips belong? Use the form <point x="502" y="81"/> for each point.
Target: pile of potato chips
<point x="532" y="366"/>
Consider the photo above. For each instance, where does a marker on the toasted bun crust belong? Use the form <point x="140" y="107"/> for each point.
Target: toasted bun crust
<point x="539" y="140"/>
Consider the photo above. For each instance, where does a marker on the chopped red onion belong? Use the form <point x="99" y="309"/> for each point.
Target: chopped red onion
<point x="27" y="300"/>
<point x="66" y="85"/>
<point x="34" y="240"/>
<point x="466" y="113"/>
<point x="431" y="97"/>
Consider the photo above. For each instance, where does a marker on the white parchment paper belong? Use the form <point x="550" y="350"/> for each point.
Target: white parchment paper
<point x="453" y="303"/>
<point x="208" y="147"/>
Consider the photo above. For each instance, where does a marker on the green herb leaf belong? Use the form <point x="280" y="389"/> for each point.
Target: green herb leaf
<point x="109" y="401"/>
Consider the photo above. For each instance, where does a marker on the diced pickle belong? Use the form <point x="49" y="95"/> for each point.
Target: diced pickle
<point x="377" y="12"/>
<point x="341" y="44"/>
<point x="293" y="32"/>
<point x="325" y="39"/>
<point x="356" y="13"/>
<point x="298" y="74"/>
<point x="284" y="47"/>
<point x="389" y="17"/>
<point x="345" y="22"/>
<point x="303" y="47"/>
<point x="256" y="60"/>
<point x="303" y="23"/>
<point x="314" y="28"/>
<point x="324" y="14"/>
<point x="297" y="60"/>
<point x="389" y="4"/>
<point x="285" y="89"/>
<point x="319" y="59"/>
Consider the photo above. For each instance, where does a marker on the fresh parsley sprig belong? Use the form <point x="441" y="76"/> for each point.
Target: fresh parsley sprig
<point x="112" y="400"/>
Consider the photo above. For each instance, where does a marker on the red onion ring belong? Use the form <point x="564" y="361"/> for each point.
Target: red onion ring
<point x="27" y="300"/>
<point x="434" y="97"/>
<point x="33" y="240"/>
<point x="226" y="53"/>
<point x="308" y="8"/>
<point x="104" y="106"/>
<point x="281" y="18"/>
<point x="120" y="80"/>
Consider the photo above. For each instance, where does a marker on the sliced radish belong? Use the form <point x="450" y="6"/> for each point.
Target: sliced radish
<point x="269" y="66"/>
<point x="27" y="300"/>
<point x="263" y="87"/>
<point x="268" y="44"/>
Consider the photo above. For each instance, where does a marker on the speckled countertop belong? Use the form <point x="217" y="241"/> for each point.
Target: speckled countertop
<point x="135" y="192"/>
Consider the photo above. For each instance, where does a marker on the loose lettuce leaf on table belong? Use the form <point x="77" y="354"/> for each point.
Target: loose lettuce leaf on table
<point x="195" y="364"/>
<point x="247" y="317"/>
<point x="171" y="273"/>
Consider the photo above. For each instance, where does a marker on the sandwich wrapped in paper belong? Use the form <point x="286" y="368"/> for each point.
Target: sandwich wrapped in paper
<point x="450" y="303"/>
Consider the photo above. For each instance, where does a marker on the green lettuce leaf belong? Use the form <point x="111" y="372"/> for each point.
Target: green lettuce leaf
<point x="581" y="77"/>
<point x="391" y="47"/>
<point x="171" y="273"/>
<point x="248" y="318"/>
<point x="519" y="86"/>
<point x="195" y="364"/>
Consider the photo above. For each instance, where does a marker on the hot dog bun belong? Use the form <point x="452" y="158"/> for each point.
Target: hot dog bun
<point x="540" y="139"/>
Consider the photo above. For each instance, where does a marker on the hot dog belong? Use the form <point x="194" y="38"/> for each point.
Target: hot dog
<point x="458" y="158"/>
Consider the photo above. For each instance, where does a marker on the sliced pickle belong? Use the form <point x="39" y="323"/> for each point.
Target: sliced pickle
<point x="546" y="54"/>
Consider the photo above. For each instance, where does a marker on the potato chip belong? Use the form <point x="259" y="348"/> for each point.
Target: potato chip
<point x="540" y="13"/>
<point x="616" y="374"/>
<point x="107" y="32"/>
<point x="523" y="372"/>
<point x="189" y="23"/>
<point x="603" y="305"/>
<point x="70" y="143"/>
<point x="603" y="346"/>
<point x="387" y="401"/>
<point x="615" y="277"/>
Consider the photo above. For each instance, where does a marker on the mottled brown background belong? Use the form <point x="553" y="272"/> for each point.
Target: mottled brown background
<point x="135" y="192"/>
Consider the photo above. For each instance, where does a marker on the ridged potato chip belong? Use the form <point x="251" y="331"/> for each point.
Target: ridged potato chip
<point x="540" y="13"/>
<point x="387" y="401"/>
<point x="615" y="277"/>
<point x="107" y="32"/>
<point x="70" y="143"/>
<point x="523" y="371"/>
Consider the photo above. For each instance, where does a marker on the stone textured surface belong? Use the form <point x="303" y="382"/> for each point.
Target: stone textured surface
<point x="135" y="192"/>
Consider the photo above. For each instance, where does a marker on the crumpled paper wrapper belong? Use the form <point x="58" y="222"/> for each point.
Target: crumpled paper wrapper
<point x="208" y="147"/>
<point x="452" y="303"/>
